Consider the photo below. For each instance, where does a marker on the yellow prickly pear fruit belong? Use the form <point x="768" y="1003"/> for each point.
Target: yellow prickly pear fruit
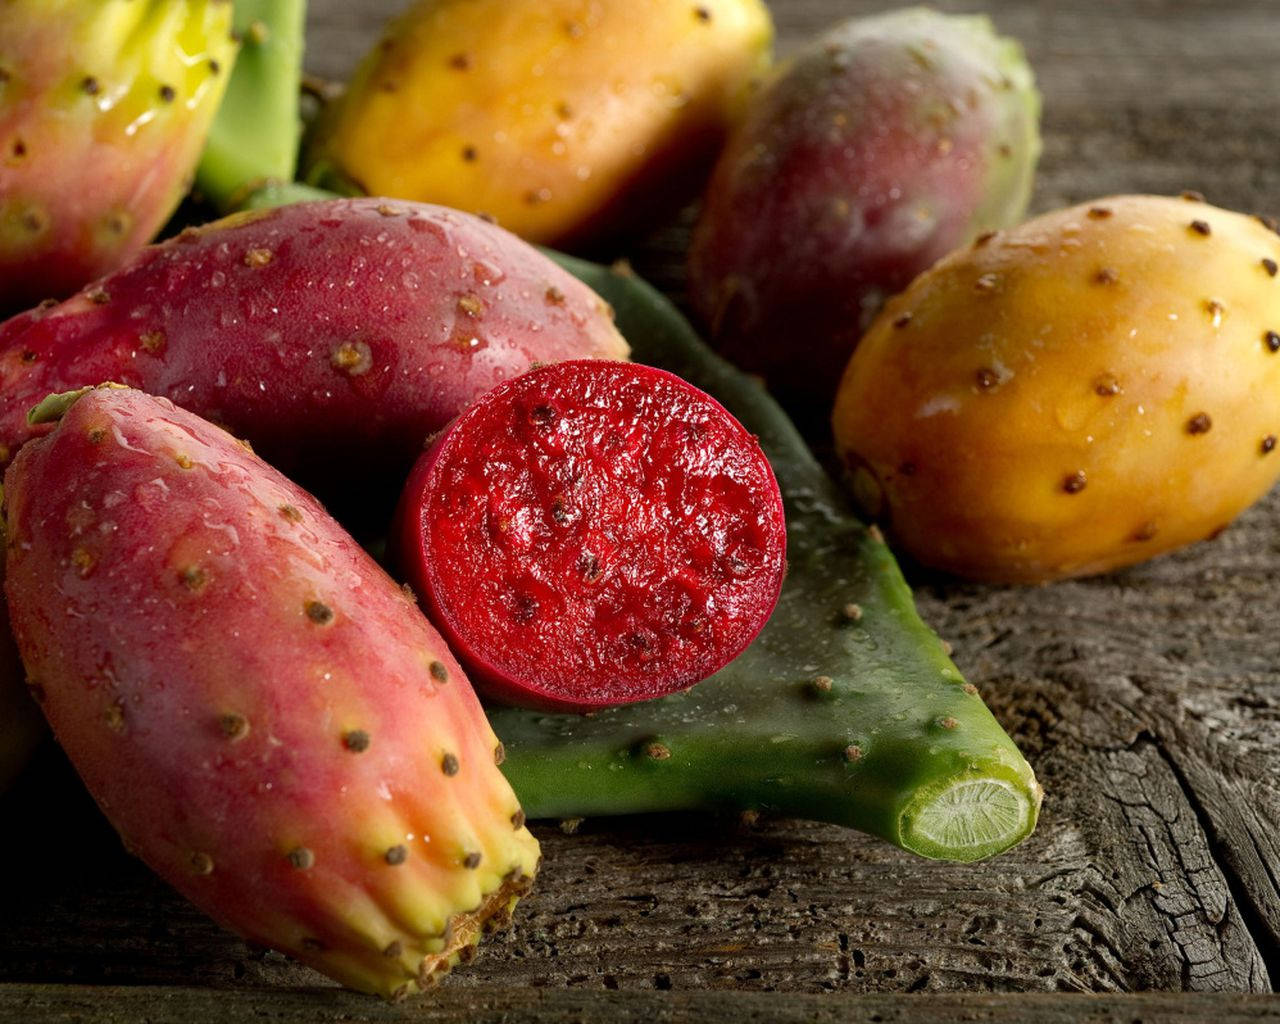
<point x="1095" y="387"/>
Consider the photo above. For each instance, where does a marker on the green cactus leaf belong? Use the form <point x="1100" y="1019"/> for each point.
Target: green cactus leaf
<point x="253" y="143"/>
<point x="846" y="708"/>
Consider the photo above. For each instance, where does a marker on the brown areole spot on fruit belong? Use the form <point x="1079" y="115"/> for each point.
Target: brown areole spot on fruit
<point x="291" y="513"/>
<point x="852" y="754"/>
<point x="396" y="855"/>
<point x="449" y="764"/>
<point x="352" y="358"/>
<point x="1201" y="227"/>
<point x="356" y="740"/>
<point x="301" y="858"/>
<point x="438" y="671"/>
<point x="318" y="612"/>
<point x="233" y="726"/>
<point x="1106" y="385"/>
<point x="201" y="863"/>
<point x="471" y="861"/>
<point x="851" y="612"/>
<point x="499" y="754"/>
<point x="1075" y="482"/>
<point x="1268" y="444"/>
<point x="1200" y="423"/>
<point x="193" y="578"/>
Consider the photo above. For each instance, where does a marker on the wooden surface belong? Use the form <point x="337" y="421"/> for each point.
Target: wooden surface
<point x="1148" y="702"/>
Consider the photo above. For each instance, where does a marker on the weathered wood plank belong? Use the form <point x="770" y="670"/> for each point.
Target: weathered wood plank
<point x="72" y="1003"/>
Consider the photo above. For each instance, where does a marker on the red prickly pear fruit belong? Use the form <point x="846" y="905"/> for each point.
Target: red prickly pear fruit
<point x="881" y="147"/>
<point x="335" y="336"/>
<point x="104" y="109"/>
<point x="593" y="534"/>
<point x="265" y="717"/>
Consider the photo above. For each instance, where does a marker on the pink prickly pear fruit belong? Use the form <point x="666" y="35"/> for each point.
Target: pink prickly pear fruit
<point x="593" y="534"/>
<point x="882" y="146"/>
<point x="265" y="717"/>
<point x="104" y="109"/>
<point x="336" y="336"/>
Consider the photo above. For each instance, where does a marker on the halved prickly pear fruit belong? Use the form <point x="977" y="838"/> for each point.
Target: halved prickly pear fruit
<point x="566" y="121"/>
<point x="104" y="107"/>
<point x="1079" y="393"/>
<point x="592" y="534"/>
<point x="885" y="144"/>
<point x="336" y="336"/>
<point x="266" y="718"/>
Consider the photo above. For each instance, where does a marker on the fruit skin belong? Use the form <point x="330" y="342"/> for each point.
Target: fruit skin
<point x="104" y="107"/>
<point x="593" y="534"/>
<point x="1077" y="394"/>
<point x="845" y="709"/>
<point x="259" y="710"/>
<point x="885" y="144"/>
<point x="335" y="336"/>
<point x="566" y="121"/>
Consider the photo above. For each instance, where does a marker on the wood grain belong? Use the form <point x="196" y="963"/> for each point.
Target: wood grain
<point x="1148" y="702"/>
<point x="66" y="1004"/>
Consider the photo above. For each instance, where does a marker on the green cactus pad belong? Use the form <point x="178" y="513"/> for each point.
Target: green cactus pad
<point x="846" y="708"/>
<point x="253" y="143"/>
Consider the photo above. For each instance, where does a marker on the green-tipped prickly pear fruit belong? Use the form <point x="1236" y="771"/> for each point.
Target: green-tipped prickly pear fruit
<point x="264" y="715"/>
<point x="883" y="145"/>
<point x="104" y="107"/>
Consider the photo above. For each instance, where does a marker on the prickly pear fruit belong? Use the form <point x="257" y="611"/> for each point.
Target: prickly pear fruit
<point x="885" y="144"/>
<point x="563" y="120"/>
<point x="104" y="107"/>
<point x="592" y="534"/>
<point x="335" y="336"/>
<point x="1082" y="392"/>
<point x="261" y="712"/>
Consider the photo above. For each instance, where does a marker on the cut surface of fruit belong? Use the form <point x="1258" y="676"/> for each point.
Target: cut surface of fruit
<point x="595" y="533"/>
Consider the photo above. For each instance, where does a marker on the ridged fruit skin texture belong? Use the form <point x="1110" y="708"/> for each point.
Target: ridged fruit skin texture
<point x="335" y="336"/>
<point x="882" y="146"/>
<point x="564" y="120"/>
<point x="593" y="534"/>
<point x="1080" y="393"/>
<point x="104" y="109"/>
<point x="265" y="717"/>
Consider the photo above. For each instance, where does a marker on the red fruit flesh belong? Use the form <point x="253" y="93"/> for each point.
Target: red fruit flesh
<point x="335" y="336"/>
<point x="262" y="713"/>
<point x="593" y="534"/>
